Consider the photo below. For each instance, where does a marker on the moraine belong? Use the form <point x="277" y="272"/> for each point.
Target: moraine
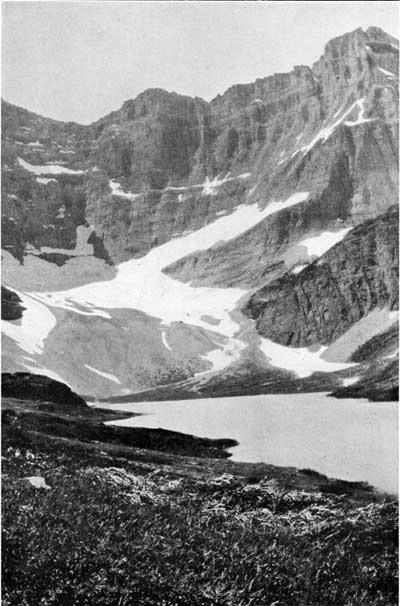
<point x="347" y="439"/>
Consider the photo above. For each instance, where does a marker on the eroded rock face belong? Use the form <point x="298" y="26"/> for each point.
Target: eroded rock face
<point x="326" y="298"/>
<point x="165" y="164"/>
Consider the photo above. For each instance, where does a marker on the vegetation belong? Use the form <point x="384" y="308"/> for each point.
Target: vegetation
<point x="121" y="526"/>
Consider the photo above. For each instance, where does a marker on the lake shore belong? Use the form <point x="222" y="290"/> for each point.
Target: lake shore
<point x="175" y="519"/>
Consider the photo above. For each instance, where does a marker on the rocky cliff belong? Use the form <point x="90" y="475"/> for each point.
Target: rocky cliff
<point x="330" y="295"/>
<point x="157" y="224"/>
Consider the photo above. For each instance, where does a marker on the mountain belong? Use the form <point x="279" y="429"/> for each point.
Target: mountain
<point x="182" y="248"/>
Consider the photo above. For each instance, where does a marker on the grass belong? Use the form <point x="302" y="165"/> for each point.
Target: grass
<point x="126" y="526"/>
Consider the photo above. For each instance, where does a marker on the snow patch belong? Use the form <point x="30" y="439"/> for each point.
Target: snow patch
<point x="164" y="340"/>
<point x="30" y="332"/>
<point x="221" y="358"/>
<point x="48" y="169"/>
<point x="392" y="355"/>
<point x="106" y="375"/>
<point x="387" y="72"/>
<point x="361" y="118"/>
<point x="301" y="361"/>
<point x="318" y="245"/>
<point x="327" y="131"/>
<point x="44" y="181"/>
<point x="141" y="284"/>
<point x="118" y="191"/>
<point x="35" y="144"/>
<point x="209" y="187"/>
<point x="350" y="381"/>
<point x="298" y="269"/>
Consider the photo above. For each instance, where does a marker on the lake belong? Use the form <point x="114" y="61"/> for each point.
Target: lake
<point x="346" y="439"/>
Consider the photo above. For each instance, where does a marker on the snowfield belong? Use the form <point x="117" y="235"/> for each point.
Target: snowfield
<point x="301" y="360"/>
<point x="30" y="332"/>
<point x="319" y="245"/>
<point x="117" y="190"/>
<point x="105" y="375"/>
<point x="48" y="169"/>
<point x="140" y="284"/>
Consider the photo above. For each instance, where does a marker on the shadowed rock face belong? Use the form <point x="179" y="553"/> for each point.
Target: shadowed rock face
<point x="25" y="386"/>
<point x="11" y="308"/>
<point x="325" y="299"/>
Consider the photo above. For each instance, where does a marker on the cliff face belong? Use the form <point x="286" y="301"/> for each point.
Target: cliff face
<point x="326" y="298"/>
<point x="164" y="163"/>
<point x="244" y="190"/>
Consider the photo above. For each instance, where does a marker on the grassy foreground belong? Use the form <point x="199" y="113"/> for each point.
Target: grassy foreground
<point x="119" y="525"/>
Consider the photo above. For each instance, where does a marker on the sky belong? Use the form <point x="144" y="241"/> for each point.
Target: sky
<point x="80" y="60"/>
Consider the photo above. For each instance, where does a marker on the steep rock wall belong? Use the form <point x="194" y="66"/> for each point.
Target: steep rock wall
<point x="325" y="299"/>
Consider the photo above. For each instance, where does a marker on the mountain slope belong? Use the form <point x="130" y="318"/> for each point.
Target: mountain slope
<point x="135" y="242"/>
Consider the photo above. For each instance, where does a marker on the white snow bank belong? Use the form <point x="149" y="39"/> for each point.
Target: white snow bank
<point x="210" y="187"/>
<point x="350" y="381"/>
<point x="326" y="132"/>
<point x="392" y="355"/>
<point x="301" y="361"/>
<point x="298" y="269"/>
<point x="140" y="283"/>
<point x="118" y="191"/>
<point x="275" y="207"/>
<point x="30" y="332"/>
<point x="35" y="144"/>
<point x="164" y="340"/>
<point x="223" y="357"/>
<point x="318" y="245"/>
<point x="106" y="375"/>
<point x="48" y="169"/>
<point x="361" y="118"/>
<point x="44" y="181"/>
<point x="387" y="72"/>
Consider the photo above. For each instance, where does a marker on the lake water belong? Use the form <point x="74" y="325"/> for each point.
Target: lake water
<point x="347" y="439"/>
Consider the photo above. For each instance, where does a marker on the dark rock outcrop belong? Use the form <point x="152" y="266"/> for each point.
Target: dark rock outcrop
<point x="380" y="384"/>
<point x="11" y="308"/>
<point x="26" y="386"/>
<point x="325" y="299"/>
